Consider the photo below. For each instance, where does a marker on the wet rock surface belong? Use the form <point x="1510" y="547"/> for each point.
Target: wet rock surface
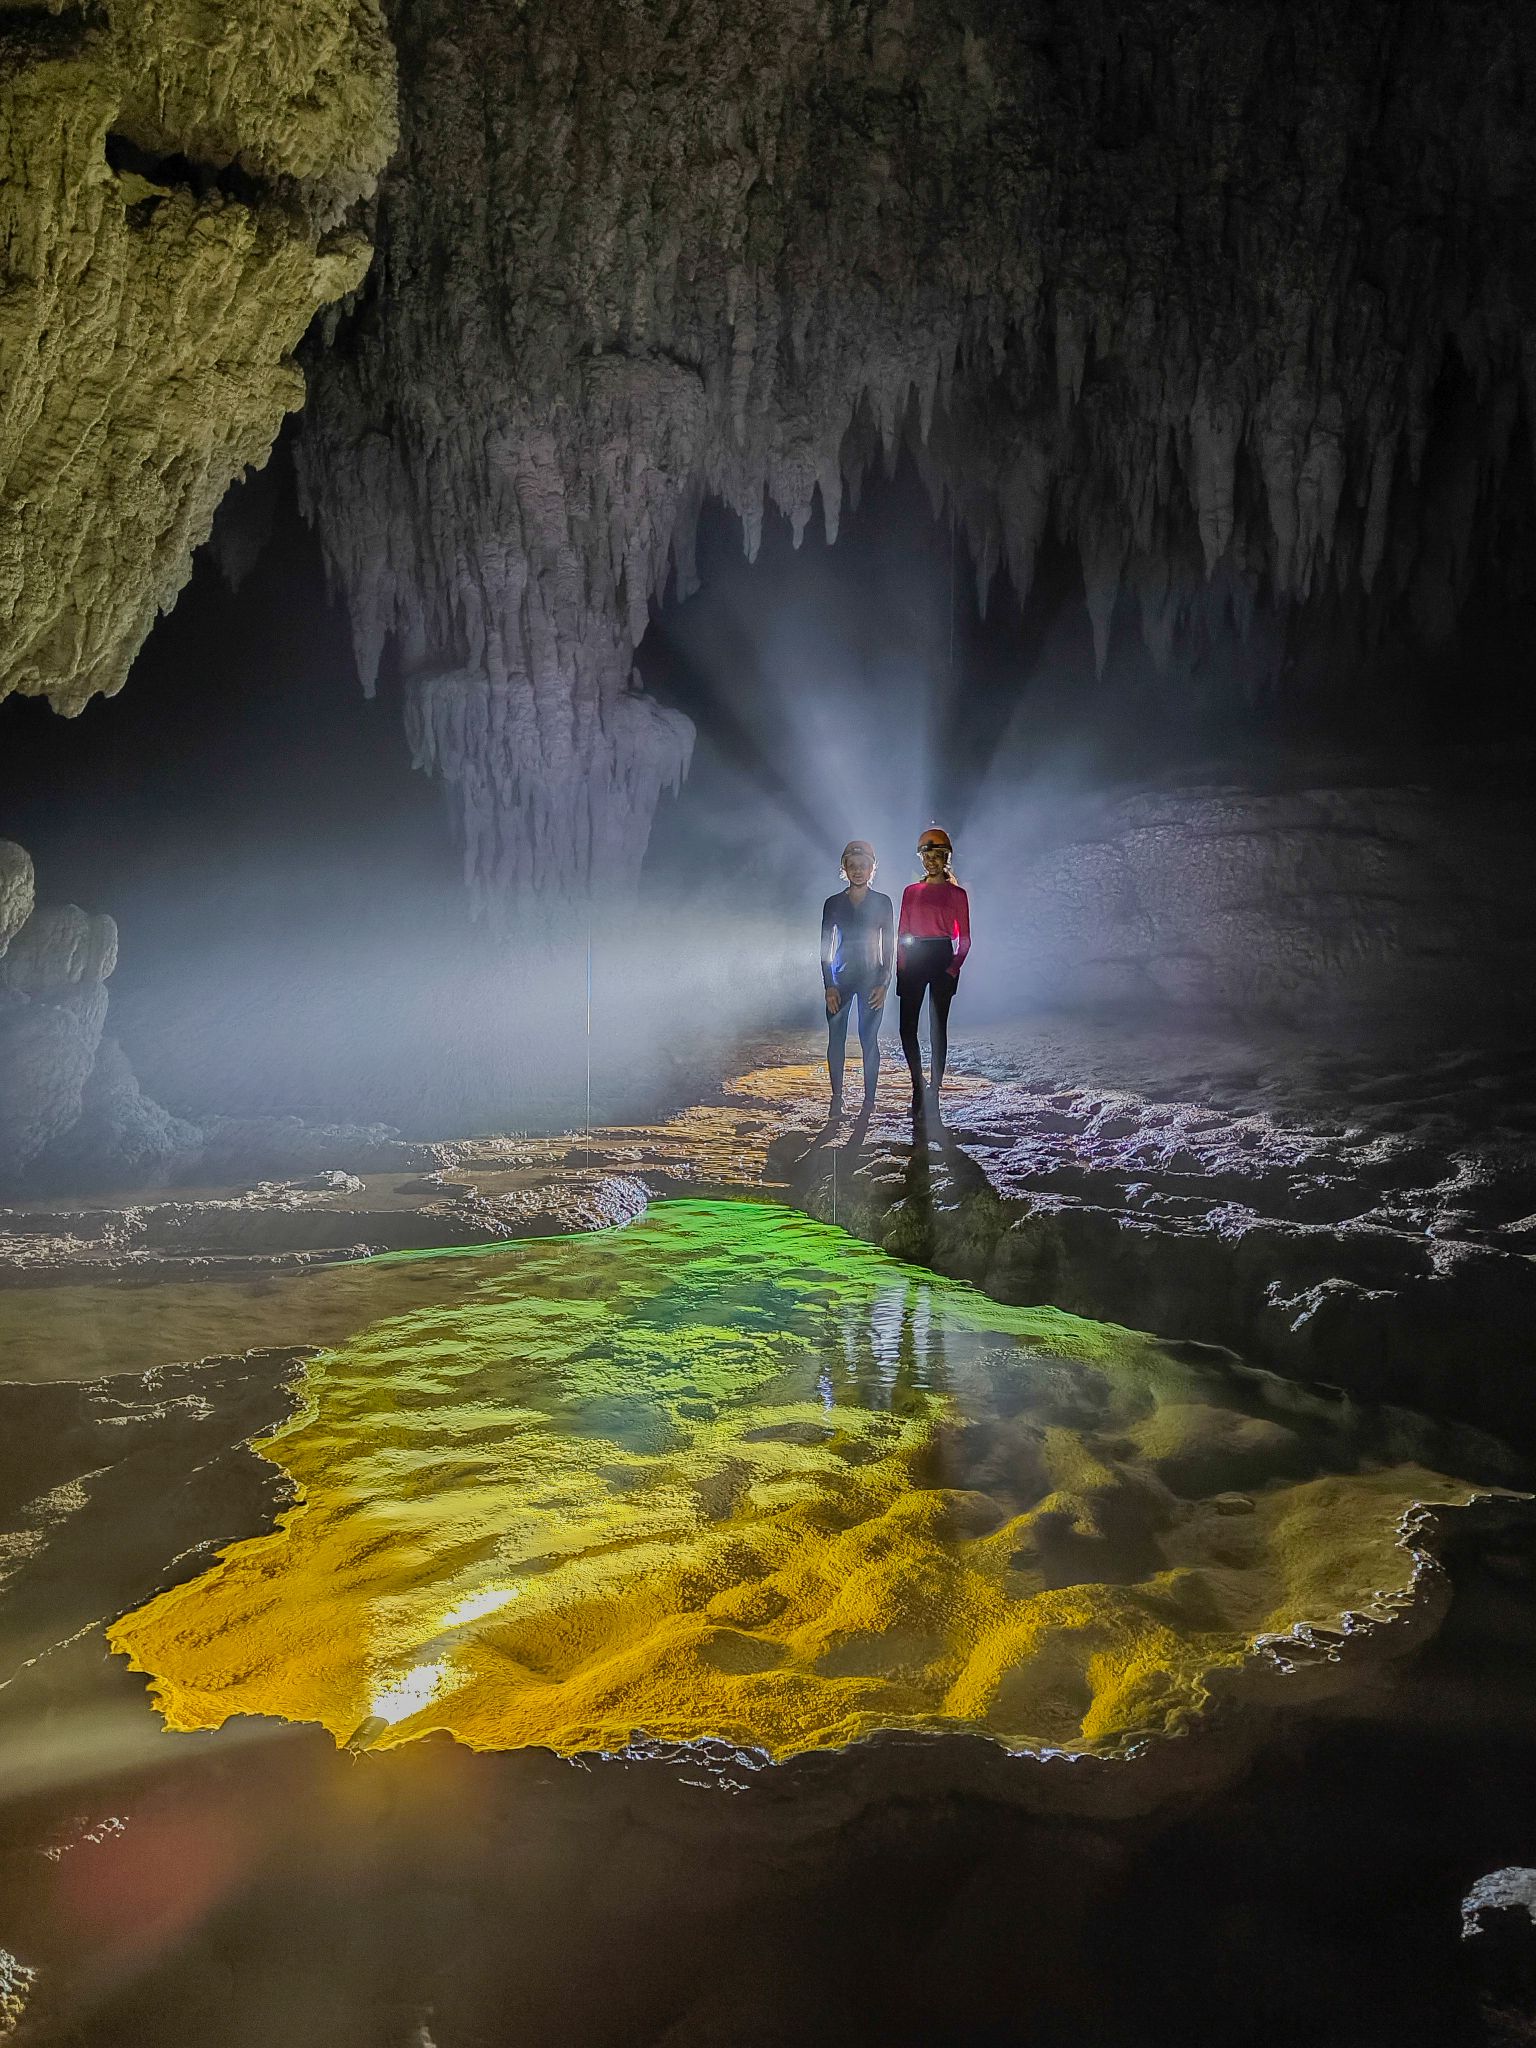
<point x="283" y="1223"/>
<point x="115" y="1487"/>
<point x="1363" y="1215"/>
<point x="1498" y="1930"/>
<point x="1321" y="1213"/>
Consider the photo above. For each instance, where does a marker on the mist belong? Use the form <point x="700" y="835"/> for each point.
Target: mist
<point x="295" y="934"/>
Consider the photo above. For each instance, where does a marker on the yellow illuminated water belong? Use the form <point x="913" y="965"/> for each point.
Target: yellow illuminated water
<point x="730" y="1472"/>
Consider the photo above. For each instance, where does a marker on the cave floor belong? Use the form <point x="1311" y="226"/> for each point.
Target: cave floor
<point x="256" y="1885"/>
<point x="1363" y="1213"/>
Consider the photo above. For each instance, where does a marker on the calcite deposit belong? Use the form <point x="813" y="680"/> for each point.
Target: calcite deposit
<point x="17" y="890"/>
<point x="175" y="180"/>
<point x="1236" y="301"/>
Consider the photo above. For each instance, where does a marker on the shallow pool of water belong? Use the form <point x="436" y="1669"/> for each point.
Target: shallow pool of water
<point x="729" y="1472"/>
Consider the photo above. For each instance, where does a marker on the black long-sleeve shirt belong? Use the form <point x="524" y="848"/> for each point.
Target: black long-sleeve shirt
<point x="857" y="940"/>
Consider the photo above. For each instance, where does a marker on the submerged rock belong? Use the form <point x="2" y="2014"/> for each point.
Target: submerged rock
<point x="116" y="1487"/>
<point x="731" y="1474"/>
<point x="1498" y="1931"/>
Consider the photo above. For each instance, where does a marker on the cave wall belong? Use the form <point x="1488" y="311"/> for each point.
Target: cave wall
<point x="1235" y="299"/>
<point x="1399" y="901"/>
<point x="177" y="179"/>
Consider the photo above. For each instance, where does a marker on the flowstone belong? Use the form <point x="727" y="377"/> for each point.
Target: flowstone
<point x="728" y="1473"/>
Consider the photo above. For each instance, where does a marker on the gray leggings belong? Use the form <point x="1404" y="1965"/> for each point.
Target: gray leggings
<point x="869" y="1036"/>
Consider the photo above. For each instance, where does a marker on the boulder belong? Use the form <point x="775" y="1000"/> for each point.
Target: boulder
<point x="1498" y="1931"/>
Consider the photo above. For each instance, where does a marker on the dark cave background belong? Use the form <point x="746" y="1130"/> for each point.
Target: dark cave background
<point x="294" y="931"/>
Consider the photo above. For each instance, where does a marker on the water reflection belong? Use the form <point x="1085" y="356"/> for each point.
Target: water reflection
<point x="729" y="1472"/>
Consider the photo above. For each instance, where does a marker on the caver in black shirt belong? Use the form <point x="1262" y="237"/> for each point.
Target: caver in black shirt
<point x="857" y="940"/>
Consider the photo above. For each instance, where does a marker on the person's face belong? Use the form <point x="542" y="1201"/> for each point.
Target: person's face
<point x="860" y="869"/>
<point x="933" y="853"/>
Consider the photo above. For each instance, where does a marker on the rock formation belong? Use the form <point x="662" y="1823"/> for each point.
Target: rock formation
<point x="1325" y="1220"/>
<point x="54" y="962"/>
<point x="174" y="187"/>
<point x="68" y="1097"/>
<point x="18" y="890"/>
<point x="1237" y="301"/>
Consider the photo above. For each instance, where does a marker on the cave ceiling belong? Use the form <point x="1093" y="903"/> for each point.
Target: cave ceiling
<point x="1233" y="299"/>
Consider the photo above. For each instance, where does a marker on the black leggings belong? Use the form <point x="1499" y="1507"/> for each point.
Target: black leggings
<point x="924" y="967"/>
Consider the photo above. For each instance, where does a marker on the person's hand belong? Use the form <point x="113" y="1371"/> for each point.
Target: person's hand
<point x="834" y="1002"/>
<point x="876" y="998"/>
<point x="954" y="975"/>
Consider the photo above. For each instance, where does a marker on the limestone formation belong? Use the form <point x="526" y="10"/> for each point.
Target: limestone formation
<point x="122" y="1138"/>
<point x="69" y="1102"/>
<point x="54" y="963"/>
<point x="1232" y="300"/>
<point x="59" y="947"/>
<point x="52" y="1014"/>
<point x="174" y="184"/>
<point x="47" y="1049"/>
<point x="53" y="1004"/>
<point x="16" y="890"/>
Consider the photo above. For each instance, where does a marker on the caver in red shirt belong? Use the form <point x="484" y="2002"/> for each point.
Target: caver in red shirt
<point x="936" y="910"/>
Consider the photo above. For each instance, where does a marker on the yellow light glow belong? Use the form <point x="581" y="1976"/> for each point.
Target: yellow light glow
<point x="729" y="1472"/>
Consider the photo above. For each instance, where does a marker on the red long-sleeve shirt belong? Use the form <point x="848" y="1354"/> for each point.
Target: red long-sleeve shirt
<point x="937" y="910"/>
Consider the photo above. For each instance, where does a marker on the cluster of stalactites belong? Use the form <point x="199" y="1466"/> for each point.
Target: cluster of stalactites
<point x="1195" y="311"/>
<point x="552" y="792"/>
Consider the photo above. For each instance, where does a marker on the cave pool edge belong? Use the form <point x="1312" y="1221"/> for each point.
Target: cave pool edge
<point x="728" y="1474"/>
